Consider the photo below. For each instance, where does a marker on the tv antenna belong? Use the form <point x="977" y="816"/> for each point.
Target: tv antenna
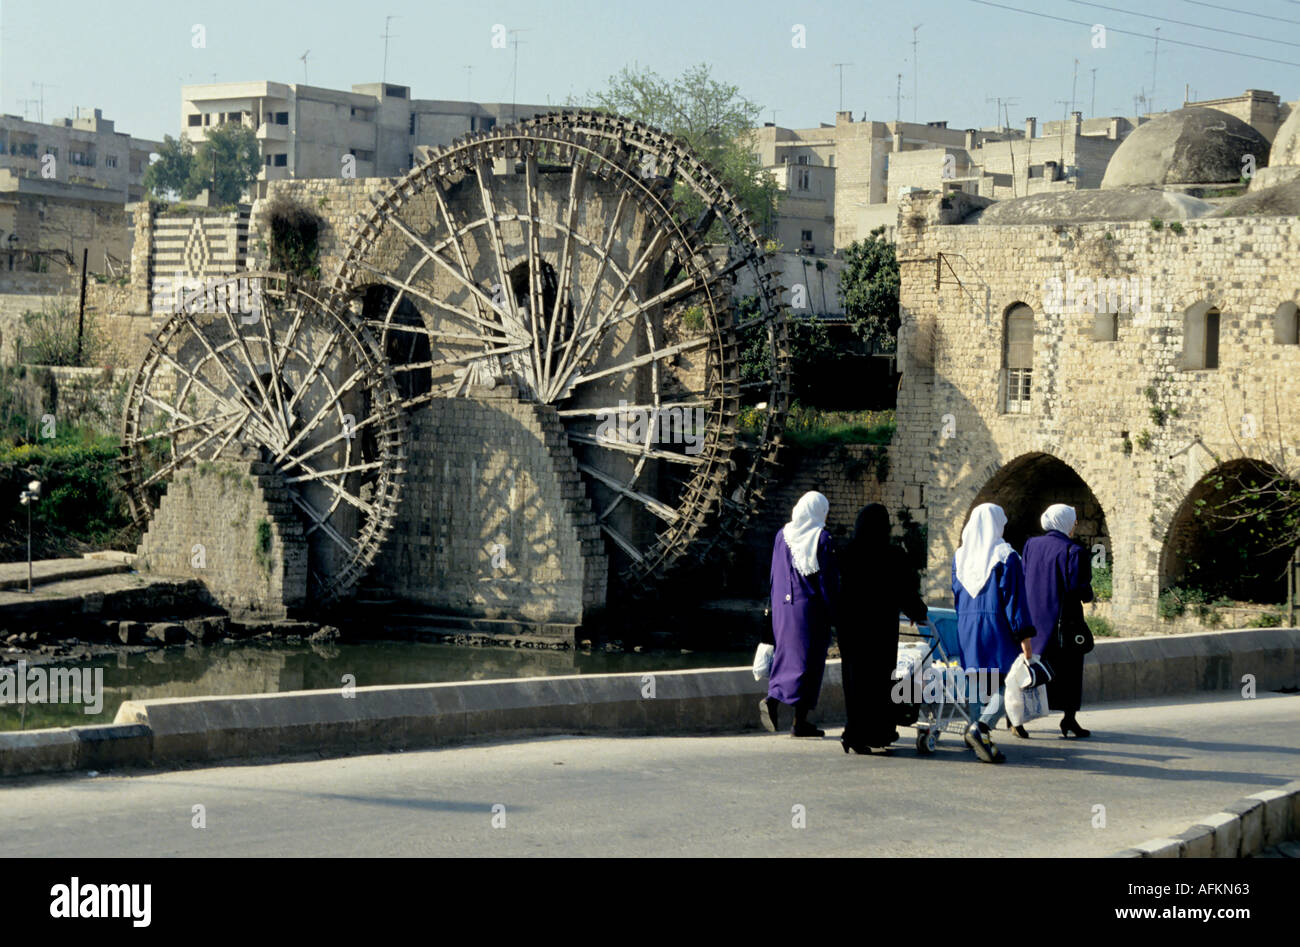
<point x="840" y="66"/>
<point x="40" y="87"/>
<point x="514" y="93"/>
<point x="385" y="37"/>
<point x="915" y="71"/>
<point x="1001" y="102"/>
<point x="303" y="58"/>
<point x="1155" y="57"/>
<point x="469" y="75"/>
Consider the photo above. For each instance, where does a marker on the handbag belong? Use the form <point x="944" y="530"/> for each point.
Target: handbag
<point x="1071" y="636"/>
<point x="763" y="661"/>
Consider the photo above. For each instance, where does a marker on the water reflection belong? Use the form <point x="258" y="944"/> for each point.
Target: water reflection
<point x="255" y="668"/>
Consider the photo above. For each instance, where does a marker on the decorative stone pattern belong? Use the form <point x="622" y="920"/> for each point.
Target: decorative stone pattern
<point x="495" y="521"/>
<point x="232" y="526"/>
<point x="958" y="283"/>
<point x="196" y="246"/>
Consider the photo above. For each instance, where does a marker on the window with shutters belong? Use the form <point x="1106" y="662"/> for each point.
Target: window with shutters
<point x="1018" y="358"/>
<point x="1286" y="324"/>
<point x="1201" y="338"/>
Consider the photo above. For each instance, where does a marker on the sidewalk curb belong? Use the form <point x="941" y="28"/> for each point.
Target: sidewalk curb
<point x="1244" y="828"/>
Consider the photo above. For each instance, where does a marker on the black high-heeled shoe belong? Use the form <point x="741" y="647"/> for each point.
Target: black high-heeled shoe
<point x="860" y="750"/>
<point x="1072" y="726"/>
<point x="1020" y="732"/>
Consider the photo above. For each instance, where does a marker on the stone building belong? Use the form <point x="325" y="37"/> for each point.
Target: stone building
<point x="306" y="131"/>
<point x="1107" y="349"/>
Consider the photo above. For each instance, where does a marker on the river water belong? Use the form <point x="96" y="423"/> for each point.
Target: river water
<point x="262" y="668"/>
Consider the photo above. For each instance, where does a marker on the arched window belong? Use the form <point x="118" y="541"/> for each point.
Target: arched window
<point x="1286" y="324"/>
<point x="1201" y="337"/>
<point x="1018" y="358"/>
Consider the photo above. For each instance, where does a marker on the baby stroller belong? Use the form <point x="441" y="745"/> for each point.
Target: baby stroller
<point x="929" y="660"/>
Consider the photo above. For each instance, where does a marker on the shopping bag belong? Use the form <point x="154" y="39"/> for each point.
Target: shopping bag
<point x="1025" y="698"/>
<point x="763" y="661"/>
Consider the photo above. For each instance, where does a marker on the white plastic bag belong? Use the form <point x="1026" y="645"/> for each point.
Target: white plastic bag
<point x="763" y="661"/>
<point x="1022" y="703"/>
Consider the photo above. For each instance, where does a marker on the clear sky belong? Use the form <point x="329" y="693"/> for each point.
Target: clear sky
<point x="130" y="57"/>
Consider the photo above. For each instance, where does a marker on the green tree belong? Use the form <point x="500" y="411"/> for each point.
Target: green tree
<point x="713" y="118"/>
<point x="232" y="150"/>
<point x="812" y="353"/>
<point x="170" y="174"/>
<point x="869" y="289"/>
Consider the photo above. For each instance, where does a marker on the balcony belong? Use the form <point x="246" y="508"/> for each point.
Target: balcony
<point x="268" y="131"/>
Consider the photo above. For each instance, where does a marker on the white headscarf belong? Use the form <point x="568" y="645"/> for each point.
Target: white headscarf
<point x="805" y="529"/>
<point x="1060" y="517"/>
<point x="982" y="547"/>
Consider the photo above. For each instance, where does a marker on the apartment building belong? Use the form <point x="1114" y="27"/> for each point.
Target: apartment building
<point x="86" y="151"/>
<point x="310" y="132"/>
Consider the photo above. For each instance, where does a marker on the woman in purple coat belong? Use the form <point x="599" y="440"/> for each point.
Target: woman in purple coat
<point x="1058" y="577"/>
<point x="805" y="588"/>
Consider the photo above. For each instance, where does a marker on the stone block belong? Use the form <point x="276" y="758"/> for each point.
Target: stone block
<point x="130" y="632"/>
<point x="1198" y="842"/>
<point x="165" y="633"/>
<point x="1161" y="848"/>
<point x="1276" y="817"/>
<point x="1251" y="813"/>
<point x="1227" y="833"/>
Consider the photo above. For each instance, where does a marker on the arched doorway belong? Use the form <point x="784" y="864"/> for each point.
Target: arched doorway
<point x="1233" y="534"/>
<point x="1031" y="483"/>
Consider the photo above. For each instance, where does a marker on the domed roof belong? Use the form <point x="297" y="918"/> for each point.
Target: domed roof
<point x="1286" y="146"/>
<point x="1188" y="146"/>
<point x="1060" y="207"/>
<point x="1280" y="201"/>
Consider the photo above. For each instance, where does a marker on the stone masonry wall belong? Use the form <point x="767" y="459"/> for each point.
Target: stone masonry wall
<point x="954" y="434"/>
<point x="845" y="475"/>
<point x="232" y="526"/>
<point x="494" y="519"/>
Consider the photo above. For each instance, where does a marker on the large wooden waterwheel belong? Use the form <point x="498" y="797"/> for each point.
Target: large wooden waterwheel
<point x="552" y="256"/>
<point x="259" y="367"/>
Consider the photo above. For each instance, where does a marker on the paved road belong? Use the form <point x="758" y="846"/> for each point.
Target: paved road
<point x="1156" y="768"/>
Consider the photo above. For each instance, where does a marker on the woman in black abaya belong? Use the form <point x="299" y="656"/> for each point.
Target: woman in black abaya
<point x="876" y="584"/>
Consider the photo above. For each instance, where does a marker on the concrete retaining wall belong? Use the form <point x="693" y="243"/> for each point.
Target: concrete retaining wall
<point x="724" y="699"/>
<point x="1165" y="666"/>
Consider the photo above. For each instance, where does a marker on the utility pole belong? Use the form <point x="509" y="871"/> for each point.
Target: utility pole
<point x="898" y="100"/>
<point x="385" y="37"/>
<point x="1092" y="106"/>
<point x="81" y="308"/>
<point x="840" y="66"/>
<point x="915" y="43"/>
